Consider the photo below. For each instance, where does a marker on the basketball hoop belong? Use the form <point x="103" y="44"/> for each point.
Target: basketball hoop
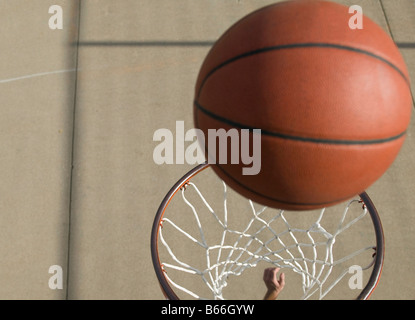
<point x="316" y="247"/>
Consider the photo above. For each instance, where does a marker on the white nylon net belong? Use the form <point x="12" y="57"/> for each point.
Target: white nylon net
<point x="307" y="252"/>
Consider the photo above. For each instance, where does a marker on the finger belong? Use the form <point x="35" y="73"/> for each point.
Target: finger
<point x="270" y="272"/>
<point x="276" y="269"/>
<point x="274" y="273"/>
<point x="272" y="269"/>
<point x="282" y="279"/>
<point x="267" y="272"/>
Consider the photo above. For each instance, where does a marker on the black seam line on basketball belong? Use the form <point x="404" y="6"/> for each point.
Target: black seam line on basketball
<point x="297" y="138"/>
<point x="276" y="199"/>
<point x="301" y="45"/>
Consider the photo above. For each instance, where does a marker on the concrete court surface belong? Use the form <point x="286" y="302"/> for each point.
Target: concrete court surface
<point x="78" y="108"/>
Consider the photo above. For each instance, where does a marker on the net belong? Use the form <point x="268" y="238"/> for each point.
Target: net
<point x="265" y="236"/>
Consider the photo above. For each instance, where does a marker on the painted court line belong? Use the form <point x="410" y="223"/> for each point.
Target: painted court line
<point x="36" y="75"/>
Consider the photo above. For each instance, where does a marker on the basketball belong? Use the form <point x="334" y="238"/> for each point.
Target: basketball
<point x="333" y="103"/>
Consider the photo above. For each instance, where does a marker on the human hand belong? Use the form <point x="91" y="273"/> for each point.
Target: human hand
<point x="273" y="284"/>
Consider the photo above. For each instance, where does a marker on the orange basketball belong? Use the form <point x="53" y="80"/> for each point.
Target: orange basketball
<point x="333" y="103"/>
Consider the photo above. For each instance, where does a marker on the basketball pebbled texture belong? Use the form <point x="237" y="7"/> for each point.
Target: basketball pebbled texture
<point x="333" y="103"/>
